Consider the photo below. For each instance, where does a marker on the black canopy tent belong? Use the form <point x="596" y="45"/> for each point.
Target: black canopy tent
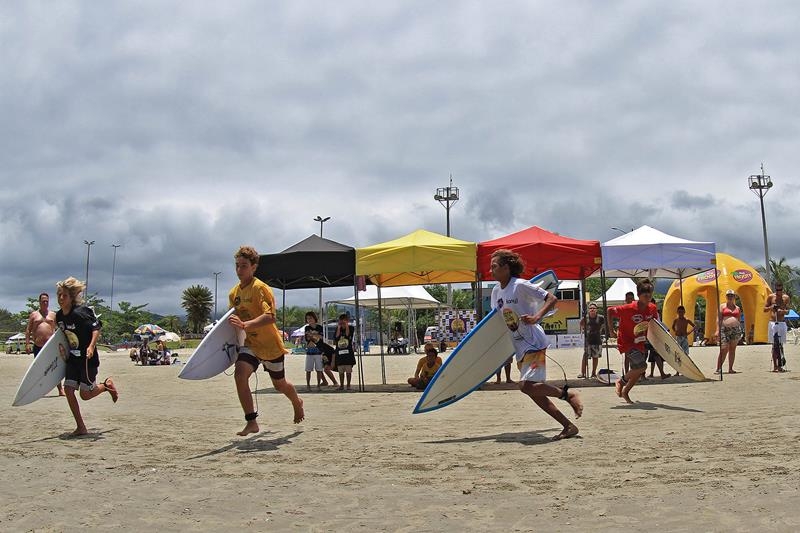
<point x="312" y="263"/>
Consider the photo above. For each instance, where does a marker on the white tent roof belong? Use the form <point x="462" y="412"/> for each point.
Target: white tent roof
<point x="394" y="298"/>
<point x="615" y="295"/>
<point x="649" y="252"/>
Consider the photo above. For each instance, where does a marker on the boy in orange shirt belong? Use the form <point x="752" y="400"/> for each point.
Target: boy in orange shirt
<point x="263" y="345"/>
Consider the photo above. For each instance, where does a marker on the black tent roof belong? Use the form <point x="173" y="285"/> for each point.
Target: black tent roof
<point x="311" y="263"/>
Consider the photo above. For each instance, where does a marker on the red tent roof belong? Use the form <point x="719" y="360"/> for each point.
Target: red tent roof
<point x="543" y="250"/>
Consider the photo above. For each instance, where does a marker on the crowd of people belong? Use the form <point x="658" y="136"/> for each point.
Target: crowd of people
<point x="521" y="304"/>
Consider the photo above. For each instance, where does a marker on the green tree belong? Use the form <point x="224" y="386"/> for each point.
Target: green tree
<point x="197" y="301"/>
<point x="118" y="325"/>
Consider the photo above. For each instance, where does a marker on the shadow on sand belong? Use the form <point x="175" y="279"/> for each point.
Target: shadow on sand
<point x="527" y="438"/>
<point x="255" y="443"/>
<point x="648" y="406"/>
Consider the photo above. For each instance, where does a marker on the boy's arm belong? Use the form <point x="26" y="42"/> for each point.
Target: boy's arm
<point x="690" y="323"/>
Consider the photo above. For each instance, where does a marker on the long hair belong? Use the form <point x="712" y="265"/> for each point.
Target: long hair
<point x="74" y="288"/>
<point x="516" y="265"/>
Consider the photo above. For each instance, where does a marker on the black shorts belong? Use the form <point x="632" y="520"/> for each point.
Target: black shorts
<point x="274" y="368"/>
<point x="81" y="373"/>
<point x="36" y="350"/>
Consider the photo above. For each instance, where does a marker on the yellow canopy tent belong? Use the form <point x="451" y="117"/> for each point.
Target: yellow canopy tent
<point x="750" y="288"/>
<point x="419" y="258"/>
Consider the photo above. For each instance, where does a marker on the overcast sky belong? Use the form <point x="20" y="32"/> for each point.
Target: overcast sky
<point x="182" y="130"/>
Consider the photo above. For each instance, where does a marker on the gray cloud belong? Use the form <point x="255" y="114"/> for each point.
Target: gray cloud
<point x="182" y="131"/>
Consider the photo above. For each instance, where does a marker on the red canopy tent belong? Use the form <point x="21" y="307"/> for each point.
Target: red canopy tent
<point x="543" y="250"/>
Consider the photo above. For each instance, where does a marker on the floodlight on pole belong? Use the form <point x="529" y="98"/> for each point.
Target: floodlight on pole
<point x="113" y="268"/>
<point x="216" y="277"/>
<point x="448" y="197"/>
<point x="321" y="222"/>
<point x="88" y="248"/>
<point x="760" y="184"/>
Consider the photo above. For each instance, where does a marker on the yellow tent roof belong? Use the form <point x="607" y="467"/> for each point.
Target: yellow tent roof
<point x="421" y="257"/>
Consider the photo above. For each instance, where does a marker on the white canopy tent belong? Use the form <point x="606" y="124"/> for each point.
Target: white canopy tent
<point x="394" y="297"/>
<point x="615" y="295"/>
<point x="648" y="252"/>
<point x="409" y="297"/>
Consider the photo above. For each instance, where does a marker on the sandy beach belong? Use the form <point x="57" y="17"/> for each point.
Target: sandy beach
<point x="713" y="456"/>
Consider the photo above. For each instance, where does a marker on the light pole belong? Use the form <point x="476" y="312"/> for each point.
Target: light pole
<point x="620" y="230"/>
<point x="760" y="184"/>
<point x="448" y="197"/>
<point x="321" y="222"/>
<point x="113" y="268"/>
<point x="88" y="248"/>
<point x="216" y="277"/>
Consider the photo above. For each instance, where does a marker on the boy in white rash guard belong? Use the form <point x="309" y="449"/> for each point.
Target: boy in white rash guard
<point x="518" y="299"/>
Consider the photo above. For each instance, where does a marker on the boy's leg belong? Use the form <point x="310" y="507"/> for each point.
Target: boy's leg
<point x="341" y="380"/>
<point x="308" y="380"/>
<point x="595" y="360"/>
<point x="349" y="377"/>
<point x="540" y="393"/>
<point x="241" y="375"/>
<point x="288" y="390"/>
<point x="72" y="401"/>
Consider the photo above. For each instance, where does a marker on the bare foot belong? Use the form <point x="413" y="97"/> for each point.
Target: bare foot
<point x="250" y="427"/>
<point x="509" y="381"/>
<point x="626" y="397"/>
<point x="112" y="390"/>
<point x="61" y="391"/>
<point x="665" y="376"/>
<point x="79" y="431"/>
<point x="299" y="413"/>
<point x="577" y="405"/>
<point x="618" y="387"/>
<point x="569" y="431"/>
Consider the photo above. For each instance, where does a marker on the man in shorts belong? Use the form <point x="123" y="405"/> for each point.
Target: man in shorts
<point x="41" y="326"/>
<point x="263" y="343"/>
<point x="593" y="325"/>
<point x="633" y="321"/>
<point x="777" y="305"/>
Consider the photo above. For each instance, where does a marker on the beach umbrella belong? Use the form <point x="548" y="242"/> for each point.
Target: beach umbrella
<point x="149" y="329"/>
<point x="170" y="336"/>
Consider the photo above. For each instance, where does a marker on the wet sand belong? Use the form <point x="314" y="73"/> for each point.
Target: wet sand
<point x="713" y="456"/>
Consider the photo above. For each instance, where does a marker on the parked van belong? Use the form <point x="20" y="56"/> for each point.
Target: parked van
<point x="431" y="334"/>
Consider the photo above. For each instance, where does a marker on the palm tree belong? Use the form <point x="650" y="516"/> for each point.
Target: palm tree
<point x="782" y="273"/>
<point x="197" y="301"/>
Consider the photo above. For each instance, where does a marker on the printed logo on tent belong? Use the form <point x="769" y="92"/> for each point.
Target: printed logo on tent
<point x="742" y="275"/>
<point x="706" y="277"/>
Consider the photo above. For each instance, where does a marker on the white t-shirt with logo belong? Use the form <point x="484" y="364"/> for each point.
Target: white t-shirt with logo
<point x="521" y="297"/>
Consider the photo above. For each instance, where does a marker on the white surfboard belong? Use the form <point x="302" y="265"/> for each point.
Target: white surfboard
<point x="45" y="372"/>
<point x="476" y="358"/>
<point x="216" y="352"/>
<point x="669" y="349"/>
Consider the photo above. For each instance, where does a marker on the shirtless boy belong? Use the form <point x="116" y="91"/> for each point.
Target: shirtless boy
<point x="41" y="326"/>
<point x="777" y="306"/>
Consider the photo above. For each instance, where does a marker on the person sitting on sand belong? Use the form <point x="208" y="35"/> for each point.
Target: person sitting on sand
<point x="427" y="366"/>
<point x="633" y="321"/>
<point x="523" y="305"/>
<point x="263" y="343"/>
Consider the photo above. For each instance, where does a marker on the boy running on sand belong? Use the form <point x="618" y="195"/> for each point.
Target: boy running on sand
<point x="517" y="300"/>
<point x="82" y="329"/>
<point x="633" y="321"/>
<point x="263" y="345"/>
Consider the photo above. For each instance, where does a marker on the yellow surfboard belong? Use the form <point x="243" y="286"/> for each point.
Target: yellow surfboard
<point x="669" y="349"/>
